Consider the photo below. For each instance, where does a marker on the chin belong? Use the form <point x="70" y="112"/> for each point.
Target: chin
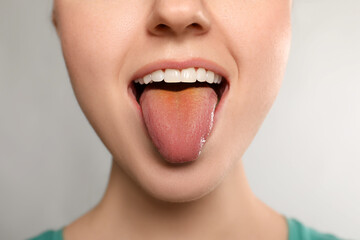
<point x="178" y="191"/>
<point x="180" y="184"/>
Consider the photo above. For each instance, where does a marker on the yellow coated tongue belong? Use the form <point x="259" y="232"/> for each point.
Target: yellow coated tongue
<point x="178" y="119"/>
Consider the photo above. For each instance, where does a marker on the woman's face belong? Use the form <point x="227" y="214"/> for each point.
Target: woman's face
<point x="108" y="44"/>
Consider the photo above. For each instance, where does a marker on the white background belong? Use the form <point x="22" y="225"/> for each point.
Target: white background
<point x="305" y="161"/>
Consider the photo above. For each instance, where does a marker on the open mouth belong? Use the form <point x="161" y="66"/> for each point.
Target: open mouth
<point x="178" y="108"/>
<point x="178" y="80"/>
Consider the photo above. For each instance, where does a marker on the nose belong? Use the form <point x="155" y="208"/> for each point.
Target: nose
<point x="177" y="17"/>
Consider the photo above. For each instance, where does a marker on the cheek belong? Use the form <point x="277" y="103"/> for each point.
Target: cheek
<point x="260" y="39"/>
<point x="95" y="39"/>
<point x="258" y="32"/>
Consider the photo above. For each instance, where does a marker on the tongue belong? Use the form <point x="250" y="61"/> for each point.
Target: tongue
<point x="178" y="118"/>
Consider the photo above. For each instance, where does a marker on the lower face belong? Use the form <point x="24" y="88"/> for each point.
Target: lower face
<point x="109" y="44"/>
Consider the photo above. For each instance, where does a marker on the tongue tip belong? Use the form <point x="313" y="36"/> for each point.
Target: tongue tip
<point x="179" y="161"/>
<point x="179" y="154"/>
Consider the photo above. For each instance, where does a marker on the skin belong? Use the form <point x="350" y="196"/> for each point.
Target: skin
<point x="105" y="42"/>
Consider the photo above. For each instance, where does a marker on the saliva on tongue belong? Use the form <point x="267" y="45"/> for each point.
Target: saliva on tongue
<point x="179" y="118"/>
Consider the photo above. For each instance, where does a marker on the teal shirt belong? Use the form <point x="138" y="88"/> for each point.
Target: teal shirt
<point x="297" y="231"/>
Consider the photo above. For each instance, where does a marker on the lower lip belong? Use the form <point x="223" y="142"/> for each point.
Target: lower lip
<point x="218" y="109"/>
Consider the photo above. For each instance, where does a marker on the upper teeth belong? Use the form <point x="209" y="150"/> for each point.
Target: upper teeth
<point x="189" y="75"/>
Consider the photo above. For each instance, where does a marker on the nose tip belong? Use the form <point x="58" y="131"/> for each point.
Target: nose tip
<point x="176" y="17"/>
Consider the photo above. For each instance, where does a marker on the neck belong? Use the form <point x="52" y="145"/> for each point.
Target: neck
<point x="231" y="211"/>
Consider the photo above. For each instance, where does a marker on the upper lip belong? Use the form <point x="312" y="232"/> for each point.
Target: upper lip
<point x="173" y="64"/>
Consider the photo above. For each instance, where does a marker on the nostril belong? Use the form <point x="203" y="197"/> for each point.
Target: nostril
<point x="162" y="27"/>
<point x="196" y="26"/>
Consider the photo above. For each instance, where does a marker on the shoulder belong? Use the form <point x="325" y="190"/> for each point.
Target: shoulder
<point x="49" y="235"/>
<point x="298" y="231"/>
